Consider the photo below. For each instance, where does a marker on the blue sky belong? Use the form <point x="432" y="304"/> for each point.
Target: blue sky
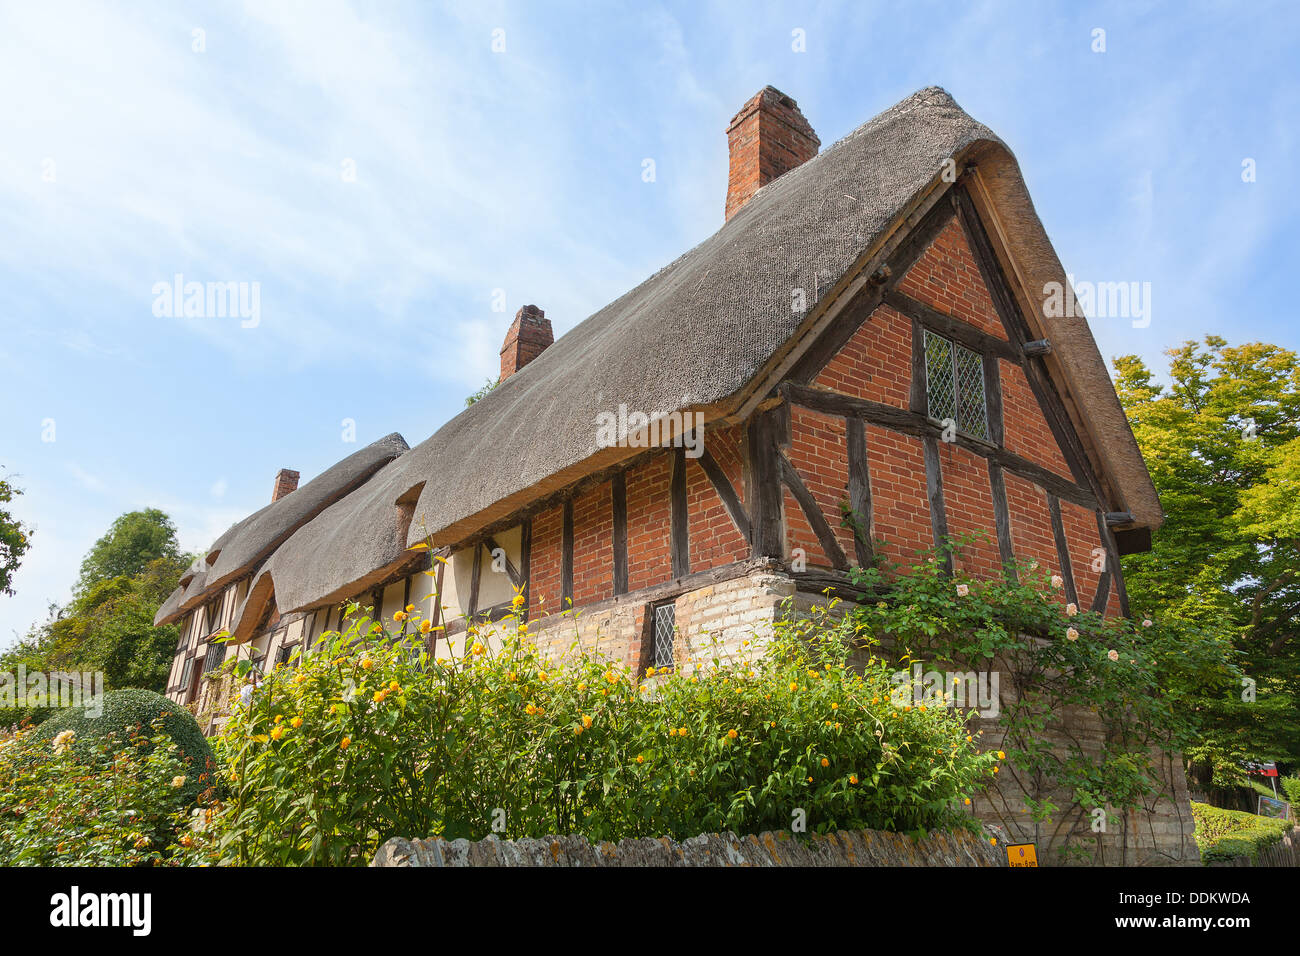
<point x="128" y="156"/>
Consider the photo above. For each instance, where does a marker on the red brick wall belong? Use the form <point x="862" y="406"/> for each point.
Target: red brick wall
<point x="818" y="452"/>
<point x="1080" y="526"/>
<point x="544" y="561"/>
<point x="593" y="545"/>
<point x="876" y="363"/>
<point x="1031" y="524"/>
<point x="948" y="278"/>
<point x="712" y="535"/>
<point x="649" y="523"/>
<point x="1027" y="433"/>
<point x="968" y="504"/>
<point x="900" y="507"/>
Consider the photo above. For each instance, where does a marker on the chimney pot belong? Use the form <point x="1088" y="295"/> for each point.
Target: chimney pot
<point x="768" y="137"/>
<point x="529" y="335"/>
<point x="285" y="482"/>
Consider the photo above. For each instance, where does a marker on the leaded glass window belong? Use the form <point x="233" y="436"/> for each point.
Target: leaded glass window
<point x="954" y="385"/>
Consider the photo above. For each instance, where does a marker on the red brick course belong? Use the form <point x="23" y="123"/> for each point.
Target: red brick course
<point x="968" y="504"/>
<point x="819" y="454"/>
<point x="876" y="363"/>
<point x="901" y="509"/>
<point x="544" y="561"/>
<point x="649" y="523"/>
<point x="593" y="545"/>
<point x="947" y="278"/>
<point x="1027" y="432"/>
<point x="713" y="537"/>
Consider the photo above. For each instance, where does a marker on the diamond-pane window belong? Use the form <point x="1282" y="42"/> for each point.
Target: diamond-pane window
<point x="954" y="385"/>
<point x="665" y="626"/>
<point x="216" y="654"/>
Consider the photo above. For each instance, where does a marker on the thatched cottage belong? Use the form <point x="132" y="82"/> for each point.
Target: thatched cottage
<point x="867" y="328"/>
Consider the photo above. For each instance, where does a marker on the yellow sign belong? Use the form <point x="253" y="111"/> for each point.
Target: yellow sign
<point x="1022" y="854"/>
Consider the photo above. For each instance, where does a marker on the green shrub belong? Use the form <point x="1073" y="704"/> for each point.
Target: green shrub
<point x="1227" y="834"/>
<point x="1291" y="787"/>
<point x="1141" y="679"/>
<point x="368" y="738"/>
<point x="128" y="712"/>
<point x="95" y="802"/>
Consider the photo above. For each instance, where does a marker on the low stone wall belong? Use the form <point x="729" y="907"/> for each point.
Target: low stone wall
<point x="844" y="848"/>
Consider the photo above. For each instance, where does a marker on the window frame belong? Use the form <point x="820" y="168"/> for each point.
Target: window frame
<point x="671" y="606"/>
<point x="955" y="350"/>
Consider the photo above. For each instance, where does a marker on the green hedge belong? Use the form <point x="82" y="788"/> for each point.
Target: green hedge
<point x="134" y="710"/>
<point x="1228" y="834"/>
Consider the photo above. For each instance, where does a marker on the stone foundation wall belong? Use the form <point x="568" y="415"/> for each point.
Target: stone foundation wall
<point x="844" y="848"/>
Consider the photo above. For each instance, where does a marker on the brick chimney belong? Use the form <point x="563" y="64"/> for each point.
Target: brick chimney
<point x="529" y="334"/>
<point x="285" y="482"/>
<point x="768" y="137"/>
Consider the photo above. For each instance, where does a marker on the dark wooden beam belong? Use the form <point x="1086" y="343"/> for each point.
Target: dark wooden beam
<point x="917" y="398"/>
<point x="934" y="493"/>
<point x="436" y="617"/>
<point x="1062" y="549"/>
<point x="511" y="571"/>
<point x="1002" y="520"/>
<point x="619" y="488"/>
<point x="679" y="517"/>
<point x="813" y="512"/>
<point x="949" y="327"/>
<point x="1133" y="541"/>
<point x="1112" y="562"/>
<point x="525" y="561"/>
<point x="993" y="400"/>
<point x="475" y="576"/>
<point x="1102" y="596"/>
<point x="767" y="536"/>
<point x="722" y="485"/>
<point x="855" y="441"/>
<point x="919" y="426"/>
<point x="566" y="556"/>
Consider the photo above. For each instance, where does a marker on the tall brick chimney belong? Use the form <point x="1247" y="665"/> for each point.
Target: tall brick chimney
<point x="285" y="482"/>
<point x="530" y="333"/>
<point x="768" y="137"/>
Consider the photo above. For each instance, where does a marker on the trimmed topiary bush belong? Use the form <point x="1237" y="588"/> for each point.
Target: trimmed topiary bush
<point x="1227" y="834"/>
<point x="133" y="711"/>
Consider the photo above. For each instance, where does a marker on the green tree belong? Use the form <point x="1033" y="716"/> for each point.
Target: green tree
<point x="108" y="624"/>
<point x="1222" y="442"/>
<point x="134" y="540"/>
<point x="15" y="538"/>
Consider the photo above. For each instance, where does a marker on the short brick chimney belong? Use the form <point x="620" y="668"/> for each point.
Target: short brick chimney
<point x="530" y="333"/>
<point x="285" y="482"/>
<point x="768" y="137"/>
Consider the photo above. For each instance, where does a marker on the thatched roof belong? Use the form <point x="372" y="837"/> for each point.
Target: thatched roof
<point x="696" y="335"/>
<point x="253" y="540"/>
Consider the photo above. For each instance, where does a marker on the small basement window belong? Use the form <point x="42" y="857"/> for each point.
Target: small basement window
<point x="954" y="385"/>
<point x="664" y="622"/>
